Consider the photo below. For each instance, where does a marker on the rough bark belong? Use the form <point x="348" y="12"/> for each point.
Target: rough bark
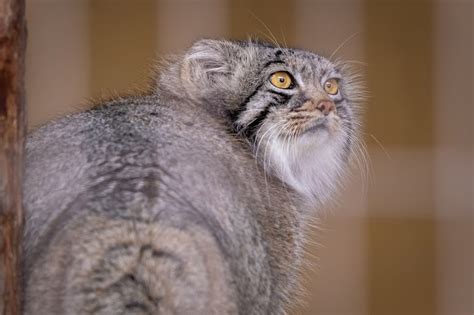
<point x="12" y="130"/>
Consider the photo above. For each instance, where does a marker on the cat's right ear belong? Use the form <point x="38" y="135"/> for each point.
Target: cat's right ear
<point x="208" y="64"/>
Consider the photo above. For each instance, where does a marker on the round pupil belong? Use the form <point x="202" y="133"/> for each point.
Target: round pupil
<point x="329" y="85"/>
<point x="281" y="79"/>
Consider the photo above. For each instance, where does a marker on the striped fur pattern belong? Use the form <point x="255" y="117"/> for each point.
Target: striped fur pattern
<point x="192" y="199"/>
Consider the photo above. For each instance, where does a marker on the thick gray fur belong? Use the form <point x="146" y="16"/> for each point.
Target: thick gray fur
<point x="179" y="202"/>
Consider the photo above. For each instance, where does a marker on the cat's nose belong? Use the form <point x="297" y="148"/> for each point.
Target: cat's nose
<point x="326" y="106"/>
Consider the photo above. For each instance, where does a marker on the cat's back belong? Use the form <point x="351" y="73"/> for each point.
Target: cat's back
<point x="96" y="177"/>
<point x="138" y="144"/>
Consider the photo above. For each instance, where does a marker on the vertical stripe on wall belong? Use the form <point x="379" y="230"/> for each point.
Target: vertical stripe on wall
<point x="401" y="208"/>
<point x="399" y="53"/>
<point x="454" y="180"/>
<point x="57" y="61"/>
<point x="267" y="20"/>
<point x="179" y="23"/>
<point x="326" y="26"/>
<point x="122" y="44"/>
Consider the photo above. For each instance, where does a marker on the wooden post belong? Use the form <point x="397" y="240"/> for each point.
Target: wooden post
<point x="12" y="130"/>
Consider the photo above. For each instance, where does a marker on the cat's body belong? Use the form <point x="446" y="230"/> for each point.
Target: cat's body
<point x="157" y="204"/>
<point x="118" y="172"/>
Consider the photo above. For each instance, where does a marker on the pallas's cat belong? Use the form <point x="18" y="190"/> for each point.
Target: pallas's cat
<point x="193" y="198"/>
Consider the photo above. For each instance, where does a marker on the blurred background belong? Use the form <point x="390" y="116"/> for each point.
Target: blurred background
<point x="398" y="243"/>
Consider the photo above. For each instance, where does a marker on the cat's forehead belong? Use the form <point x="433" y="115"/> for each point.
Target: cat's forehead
<point x="301" y="60"/>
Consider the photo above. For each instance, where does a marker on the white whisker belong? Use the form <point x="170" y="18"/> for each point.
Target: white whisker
<point x="343" y="44"/>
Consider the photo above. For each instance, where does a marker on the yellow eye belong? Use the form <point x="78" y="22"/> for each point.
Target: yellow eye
<point x="281" y="80"/>
<point x="331" y="86"/>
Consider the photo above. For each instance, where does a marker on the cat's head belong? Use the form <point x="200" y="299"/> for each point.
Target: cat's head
<point x="299" y="111"/>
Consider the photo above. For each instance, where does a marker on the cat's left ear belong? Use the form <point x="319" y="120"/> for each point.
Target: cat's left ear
<point x="209" y="62"/>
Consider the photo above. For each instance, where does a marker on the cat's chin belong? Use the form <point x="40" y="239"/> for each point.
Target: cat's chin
<point x="314" y="138"/>
<point x="311" y="164"/>
<point x="319" y="135"/>
<point x="320" y="130"/>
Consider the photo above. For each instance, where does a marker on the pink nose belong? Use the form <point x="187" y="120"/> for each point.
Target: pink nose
<point x="326" y="106"/>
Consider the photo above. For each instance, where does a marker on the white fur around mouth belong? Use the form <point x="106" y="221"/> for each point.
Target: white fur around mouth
<point x="317" y="125"/>
<point x="311" y="164"/>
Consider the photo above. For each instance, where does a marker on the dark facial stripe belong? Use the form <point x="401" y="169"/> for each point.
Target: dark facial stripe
<point x="235" y="114"/>
<point x="323" y="73"/>
<point x="250" y="130"/>
<point x="286" y="96"/>
<point x="272" y="62"/>
<point x="258" y="120"/>
<point x="279" y="99"/>
<point x="250" y="96"/>
<point x="339" y="101"/>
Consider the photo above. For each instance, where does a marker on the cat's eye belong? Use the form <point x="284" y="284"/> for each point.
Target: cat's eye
<point x="281" y="80"/>
<point x="331" y="86"/>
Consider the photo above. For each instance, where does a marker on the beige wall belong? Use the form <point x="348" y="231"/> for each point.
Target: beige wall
<point x="57" y="59"/>
<point x="399" y="243"/>
<point x="454" y="157"/>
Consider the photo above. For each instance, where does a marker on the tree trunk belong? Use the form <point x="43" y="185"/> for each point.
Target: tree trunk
<point x="12" y="130"/>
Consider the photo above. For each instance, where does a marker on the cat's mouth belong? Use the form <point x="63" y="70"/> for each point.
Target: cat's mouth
<point x="317" y="125"/>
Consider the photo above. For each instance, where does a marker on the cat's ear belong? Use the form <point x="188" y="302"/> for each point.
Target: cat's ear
<point x="209" y="62"/>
